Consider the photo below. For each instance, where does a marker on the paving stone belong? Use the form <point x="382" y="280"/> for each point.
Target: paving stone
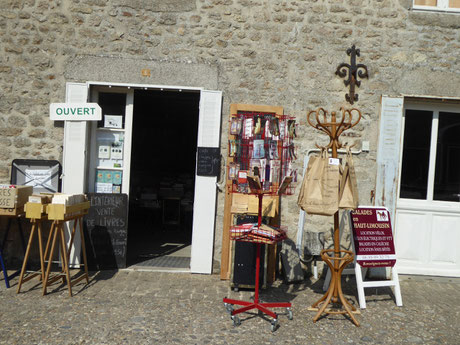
<point x="128" y="307"/>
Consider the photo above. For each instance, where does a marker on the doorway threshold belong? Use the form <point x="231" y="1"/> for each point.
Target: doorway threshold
<point x="137" y="268"/>
<point x="164" y="263"/>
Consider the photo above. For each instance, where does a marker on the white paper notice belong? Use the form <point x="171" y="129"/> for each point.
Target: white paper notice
<point x="38" y="178"/>
<point x="103" y="187"/>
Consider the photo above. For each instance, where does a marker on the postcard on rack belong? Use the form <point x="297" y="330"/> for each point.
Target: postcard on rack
<point x="233" y="169"/>
<point x="258" y="149"/>
<point x="242" y="176"/>
<point x="273" y="149"/>
<point x="233" y="147"/>
<point x="259" y="126"/>
<point x="254" y="167"/>
<point x="282" y="125"/>
<point x="268" y="134"/>
<point x="275" y="170"/>
<point x="274" y="127"/>
<point x="235" y="126"/>
<point x="247" y="128"/>
<point x="263" y="167"/>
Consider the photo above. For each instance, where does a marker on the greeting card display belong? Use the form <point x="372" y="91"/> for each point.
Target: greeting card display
<point x="262" y="146"/>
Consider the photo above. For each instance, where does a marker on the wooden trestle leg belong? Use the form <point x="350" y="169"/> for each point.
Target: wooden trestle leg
<point x="57" y="234"/>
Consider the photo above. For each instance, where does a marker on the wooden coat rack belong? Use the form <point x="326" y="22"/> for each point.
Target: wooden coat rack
<point x="336" y="259"/>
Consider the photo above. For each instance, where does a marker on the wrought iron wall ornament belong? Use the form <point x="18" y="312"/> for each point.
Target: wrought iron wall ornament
<point x="354" y="71"/>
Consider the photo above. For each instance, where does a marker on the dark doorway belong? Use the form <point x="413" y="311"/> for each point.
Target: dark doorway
<point x="162" y="177"/>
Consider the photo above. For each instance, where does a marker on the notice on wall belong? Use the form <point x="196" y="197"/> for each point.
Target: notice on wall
<point x="373" y="237"/>
<point x="106" y="231"/>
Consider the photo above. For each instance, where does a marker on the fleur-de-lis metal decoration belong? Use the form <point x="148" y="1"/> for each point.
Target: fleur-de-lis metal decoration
<point x="353" y="71"/>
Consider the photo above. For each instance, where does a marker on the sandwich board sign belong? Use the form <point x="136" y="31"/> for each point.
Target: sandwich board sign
<point x="75" y="112"/>
<point x="374" y="247"/>
<point x="373" y="237"/>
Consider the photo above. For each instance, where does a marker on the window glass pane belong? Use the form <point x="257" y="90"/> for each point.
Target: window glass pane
<point x="416" y="154"/>
<point x="454" y="3"/>
<point x="447" y="174"/>
<point x="426" y="2"/>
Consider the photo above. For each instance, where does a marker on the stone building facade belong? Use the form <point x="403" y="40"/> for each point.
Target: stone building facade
<point x="281" y="53"/>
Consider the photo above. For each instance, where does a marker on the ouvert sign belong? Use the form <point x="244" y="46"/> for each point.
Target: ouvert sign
<point x="75" y="112"/>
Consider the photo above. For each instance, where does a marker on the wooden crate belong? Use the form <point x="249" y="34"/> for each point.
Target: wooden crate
<point x="61" y="212"/>
<point x="34" y="210"/>
<point x="13" y="212"/>
<point x="15" y="196"/>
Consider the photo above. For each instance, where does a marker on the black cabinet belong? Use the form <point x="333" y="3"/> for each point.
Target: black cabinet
<point x="244" y="261"/>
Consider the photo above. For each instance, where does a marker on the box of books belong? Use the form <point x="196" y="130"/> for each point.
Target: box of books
<point x="14" y="196"/>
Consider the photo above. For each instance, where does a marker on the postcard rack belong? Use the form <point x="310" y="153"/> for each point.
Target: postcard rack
<point x="262" y="145"/>
<point x="60" y="214"/>
<point x="258" y="234"/>
<point x="261" y="152"/>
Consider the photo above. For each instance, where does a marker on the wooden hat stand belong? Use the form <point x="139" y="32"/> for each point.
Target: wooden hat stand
<point x="336" y="259"/>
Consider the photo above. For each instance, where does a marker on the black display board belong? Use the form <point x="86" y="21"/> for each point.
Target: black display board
<point x="106" y="231"/>
<point x="208" y="163"/>
<point x="43" y="175"/>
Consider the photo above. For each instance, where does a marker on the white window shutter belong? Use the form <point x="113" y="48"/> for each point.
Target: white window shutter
<point x="388" y="153"/>
<point x="204" y="206"/>
<point x="75" y="135"/>
<point x="74" y="160"/>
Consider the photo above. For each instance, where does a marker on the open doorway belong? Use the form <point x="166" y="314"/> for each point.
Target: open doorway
<point x="162" y="178"/>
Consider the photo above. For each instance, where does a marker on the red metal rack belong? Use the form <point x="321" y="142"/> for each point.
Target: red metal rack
<point x="257" y="234"/>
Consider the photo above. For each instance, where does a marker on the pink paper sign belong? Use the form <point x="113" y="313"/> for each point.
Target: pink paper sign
<point x="373" y="237"/>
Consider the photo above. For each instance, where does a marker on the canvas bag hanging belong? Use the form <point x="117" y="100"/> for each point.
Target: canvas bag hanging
<point x="319" y="193"/>
<point x="348" y="185"/>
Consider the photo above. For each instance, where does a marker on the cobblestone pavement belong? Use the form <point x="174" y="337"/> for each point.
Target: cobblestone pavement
<point x="132" y="307"/>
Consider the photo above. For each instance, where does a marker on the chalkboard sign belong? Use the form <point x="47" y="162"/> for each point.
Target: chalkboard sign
<point x="208" y="161"/>
<point x="106" y="231"/>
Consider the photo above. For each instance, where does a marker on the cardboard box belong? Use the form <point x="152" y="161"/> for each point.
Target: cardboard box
<point x="245" y="203"/>
<point x="12" y="196"/>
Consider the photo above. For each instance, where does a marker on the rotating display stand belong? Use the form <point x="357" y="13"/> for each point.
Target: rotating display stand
<point x="257" y="234"/>
<point x="261" y="152"/>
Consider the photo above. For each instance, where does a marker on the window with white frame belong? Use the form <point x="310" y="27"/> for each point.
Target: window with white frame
<point x="431" y="153"/>
<point x="437" y="5"/>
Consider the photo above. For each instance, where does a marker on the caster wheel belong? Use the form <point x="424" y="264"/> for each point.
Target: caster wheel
<point x="229" y="308"/>
<point x="289" y="312"/>
<point x="236" y="320"/>
<point x="275" y="325"/>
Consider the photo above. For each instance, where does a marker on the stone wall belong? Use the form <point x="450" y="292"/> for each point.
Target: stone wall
<point x="271" y="52"/>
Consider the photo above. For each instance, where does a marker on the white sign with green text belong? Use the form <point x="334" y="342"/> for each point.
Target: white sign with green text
<point x="75" y="112"/>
